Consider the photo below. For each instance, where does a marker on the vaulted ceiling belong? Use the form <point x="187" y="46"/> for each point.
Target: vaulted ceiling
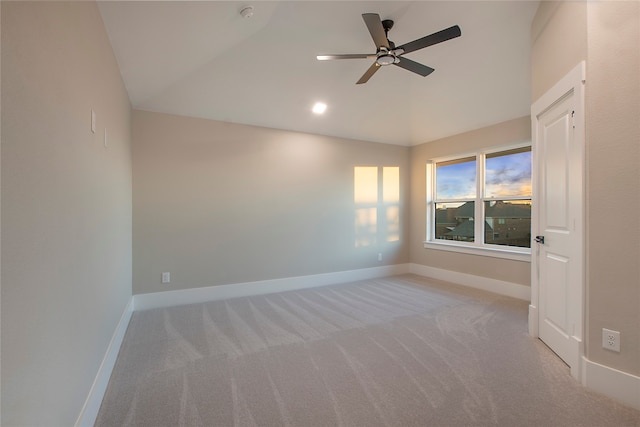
<point x="202" y="59"/>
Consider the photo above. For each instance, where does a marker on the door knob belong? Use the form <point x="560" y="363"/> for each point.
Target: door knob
<point x="539" y="239"/>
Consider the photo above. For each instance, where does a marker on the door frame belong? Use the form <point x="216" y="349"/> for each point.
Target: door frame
<point x="574" y="82"/>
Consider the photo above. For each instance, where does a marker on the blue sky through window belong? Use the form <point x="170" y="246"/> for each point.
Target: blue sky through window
<point x="508" y="175"/>
<point x="456" y="180"/>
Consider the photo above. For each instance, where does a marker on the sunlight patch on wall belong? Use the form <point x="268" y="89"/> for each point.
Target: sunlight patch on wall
<point x="393" y="223"/>
<point x="391" y="184"/>
<point x="366" y="226"/>
<point x="365" y="180"/>
<point x="365" y="195"/>
<point x="377" y="200"/>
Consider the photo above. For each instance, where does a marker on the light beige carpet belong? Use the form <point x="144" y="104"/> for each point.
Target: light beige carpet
<point x="401" y="351"/>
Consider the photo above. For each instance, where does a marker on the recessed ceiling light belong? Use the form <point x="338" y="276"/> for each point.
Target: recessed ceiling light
<point x="319" y="107"/>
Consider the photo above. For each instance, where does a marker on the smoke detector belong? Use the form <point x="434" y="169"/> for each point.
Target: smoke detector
<point x="246" y="12"/>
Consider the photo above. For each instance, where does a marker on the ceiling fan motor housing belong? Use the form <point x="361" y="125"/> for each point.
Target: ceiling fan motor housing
<point x="385" y="56"/>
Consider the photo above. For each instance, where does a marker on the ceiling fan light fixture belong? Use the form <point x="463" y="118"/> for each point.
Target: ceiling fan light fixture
<point x="386" y="59"/>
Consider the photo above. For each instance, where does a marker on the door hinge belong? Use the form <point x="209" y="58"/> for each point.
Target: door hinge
<point x="573" y="119"/>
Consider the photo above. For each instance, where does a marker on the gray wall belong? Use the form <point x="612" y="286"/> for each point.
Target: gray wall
<point x="607" y="36"/>
<point x="517" y="130"/>
<point x="558" y="42"/>
<point x="613" y="181"/>
<point x="219" y="203"/>
<point x="66" y="208"/>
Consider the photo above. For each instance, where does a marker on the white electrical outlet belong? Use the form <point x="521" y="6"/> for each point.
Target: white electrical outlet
<point x="611" y="340"/>
<point x="166" y="277"/>
<point x="380" y="257"/>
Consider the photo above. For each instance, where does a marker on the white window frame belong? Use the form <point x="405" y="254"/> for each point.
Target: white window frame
<point x="478" y="247"/>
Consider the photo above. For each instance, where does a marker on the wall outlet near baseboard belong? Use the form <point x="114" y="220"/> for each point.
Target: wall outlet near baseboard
<point x="611" y="340"/>
<point x="166" y="277"/>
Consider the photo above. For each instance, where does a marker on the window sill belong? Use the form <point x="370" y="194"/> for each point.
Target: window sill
<point x="524" y="255"/>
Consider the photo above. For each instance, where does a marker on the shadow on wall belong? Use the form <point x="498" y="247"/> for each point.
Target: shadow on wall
<point x="376" y="196"/>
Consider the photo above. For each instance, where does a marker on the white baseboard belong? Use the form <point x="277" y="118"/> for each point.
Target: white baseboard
<point x="89" y="412"/>
<point x="509" y="289"/>
<point x="213" y="293"/>
<point x="618" y="385"/>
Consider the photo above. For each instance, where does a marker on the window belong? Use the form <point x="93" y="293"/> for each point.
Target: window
<point x="482" y="200"/>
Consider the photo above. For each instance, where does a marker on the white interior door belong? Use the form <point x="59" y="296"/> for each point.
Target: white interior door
<point x="557" y="257"/>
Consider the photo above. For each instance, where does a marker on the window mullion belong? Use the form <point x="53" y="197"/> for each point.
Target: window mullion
<point x="431" y="205"/>
<point x="479" y="206"/>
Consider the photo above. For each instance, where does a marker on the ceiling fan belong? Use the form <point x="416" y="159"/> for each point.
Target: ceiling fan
<point x="386" y="51"/>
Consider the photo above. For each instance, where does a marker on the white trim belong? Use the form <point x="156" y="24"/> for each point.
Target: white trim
<point x="515" y="255"/>
<point x="613" y="383"/>
<point x="213" y="293"/>
<point x="478" y="247"/>
<point x="89" y="412"/>
<point x="575" y="77"/>
<point x="573" y="82"/>
<point x="487" y="150"/>
<point x="501" y="287"/>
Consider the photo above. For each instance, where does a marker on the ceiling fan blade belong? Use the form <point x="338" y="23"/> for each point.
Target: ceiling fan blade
<point x="374" y="24"/>
<point x="415" y="67"/>
<point x="345" y="56"/>
<point x="367" y="75"/>
<point x="435" y="38"/>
